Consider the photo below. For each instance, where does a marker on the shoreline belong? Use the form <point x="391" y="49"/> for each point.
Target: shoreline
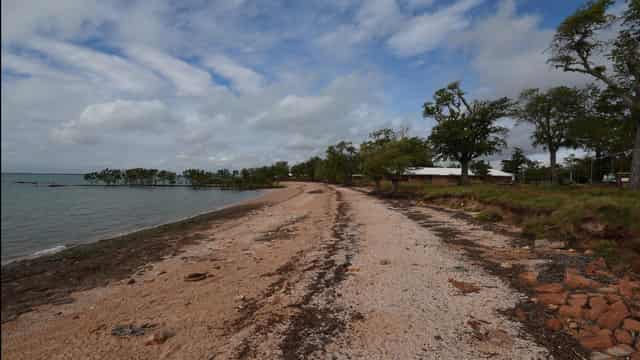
<point x="63" y="247"/>
<point x="51" y="278"/>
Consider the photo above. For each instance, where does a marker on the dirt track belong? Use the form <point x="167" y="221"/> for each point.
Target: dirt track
<point x="316" y="272"/>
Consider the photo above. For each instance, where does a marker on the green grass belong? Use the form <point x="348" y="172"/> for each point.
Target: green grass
<point x="554" y="212"/>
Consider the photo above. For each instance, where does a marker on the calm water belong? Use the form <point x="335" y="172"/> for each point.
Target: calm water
<point x="37" y="219"/>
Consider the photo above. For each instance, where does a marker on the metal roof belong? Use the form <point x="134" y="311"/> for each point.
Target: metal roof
<point x="432" y="171"/>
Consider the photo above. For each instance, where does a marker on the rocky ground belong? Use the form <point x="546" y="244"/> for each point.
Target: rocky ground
<point x="316" y="272"/>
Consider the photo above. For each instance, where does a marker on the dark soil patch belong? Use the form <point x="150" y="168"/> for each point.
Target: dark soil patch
<point x="50" y="279"/>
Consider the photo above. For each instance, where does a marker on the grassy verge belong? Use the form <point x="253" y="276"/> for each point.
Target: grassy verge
<point x="604" y="219"/>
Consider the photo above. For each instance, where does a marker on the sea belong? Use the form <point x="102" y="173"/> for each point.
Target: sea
<point x="41" y="217"/>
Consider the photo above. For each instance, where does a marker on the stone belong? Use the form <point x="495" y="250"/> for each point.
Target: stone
<point x="588" y="252"/>
<point x="385" y="262"/>
<point x="627" y="287"/>
<point x="579" y="300"/>
<point x="596" y="355"/>
<point x="631" y="325"/>
<point x="549" y="288"/>
<point x="553" y="324"/>
<point x="623" y="337"/>
<point x="131" y="281"/>
<point x="620" y="350"/>
<point x="613" y="316"/>
<point x="529" y="277"/>
<point x="608" y="290"/>
<point x="521" y="315"/>
<point x="597" y="305"/>
<point x="576" y="281"/>
<point x="570" y="311"/>
<point x="613" y="298"/>
<point x="600" y="341"/>
<point x="596" y="265"/>
<point x="196" y="276"/>
<point x="552" y="298"/>
<point x="159" y="337"/>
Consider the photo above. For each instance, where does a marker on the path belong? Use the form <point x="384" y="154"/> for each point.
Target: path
<point x="326" y="273"/>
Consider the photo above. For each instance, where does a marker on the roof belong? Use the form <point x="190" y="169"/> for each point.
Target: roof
<point x="431" y="171"/>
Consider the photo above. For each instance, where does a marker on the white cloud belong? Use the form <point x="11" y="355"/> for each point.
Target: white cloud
<point x="188" y="79"/>
<point x="120" y="115"/>
<point x="243" y="79"/>
<point x="98" y="67"/>
<point x="509" y="52"/>
<point x="426" y="32"/>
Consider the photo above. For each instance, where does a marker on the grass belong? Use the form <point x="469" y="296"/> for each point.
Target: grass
<point x="576" y="213"/>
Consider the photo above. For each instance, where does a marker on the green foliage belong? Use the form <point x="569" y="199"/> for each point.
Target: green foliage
<point x="465" y="131"/>
<point x="389" y="154"/>
<point x="341" y="162"/>
<point x="480" y="168"/>
<point x="552" y="113"/>
<point x="518" y="164"/>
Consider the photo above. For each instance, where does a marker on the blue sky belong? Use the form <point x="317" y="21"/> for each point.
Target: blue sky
<point x="93" y="84"/>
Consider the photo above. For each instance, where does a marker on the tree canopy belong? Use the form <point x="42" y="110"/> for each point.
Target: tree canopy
<point x="465" y="130"/>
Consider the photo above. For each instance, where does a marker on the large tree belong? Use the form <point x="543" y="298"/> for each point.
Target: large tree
<point x="465" y="130"/>
<point x="583" y="44"/>
<point x="602" y="128"/>
<point x="341" y="162"/>
<point x="551" y="113"/>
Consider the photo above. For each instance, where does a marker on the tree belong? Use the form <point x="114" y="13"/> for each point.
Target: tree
<point x="551" y="113"/>
<point x="518" y="164"/>
<point x="602" y="128"/>
<point x="480" y="168"/>
<point x="341" y="162"/>
<point x="581" y="45"/>
<point x="389" y="154"/>
<point x="465" y="130"/>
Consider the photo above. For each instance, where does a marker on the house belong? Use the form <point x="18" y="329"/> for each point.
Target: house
<point x="451" y="176"/>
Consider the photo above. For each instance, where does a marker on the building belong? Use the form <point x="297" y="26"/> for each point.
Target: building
<point x="451" y="176"/>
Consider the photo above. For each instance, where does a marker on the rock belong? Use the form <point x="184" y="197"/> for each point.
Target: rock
<point x="543" y="243"/>
<point x="599" y="341"/>
<point x="552" y="298"/>
<point x="552" y="307"/>
<point x="631" y="325"/>
<point x="131" y="281"/>
<point x="520" y="314"/>
<point x="570" y="311"/>
<point x="613" y="316"/>
<point x="131" y="329"/>
<point x="627" y="287"/>
<point x="588" y="252"/>
<point x="529" y="277"/>
<point x="596" y="265"/>
<point x="196" y="276"/>
<point x="576" y="281"/>
<point x="599" y="356"/>
<point x="464" y="287"/>
<point x="620" y="350"/>
<point x="613" y="298"/>
<point x="506" y="265"/>
<point x="549" y="288"/>
<point x="579" y="300"/>
<point x="608" y="290"/>
<point x="623" y="337"/>
<point x="159" y="337"/>
<point x="385" y="262"/>
<point x="573" y="325"/>
<point x="553" y="324"/>
<point x="597" y="306"/>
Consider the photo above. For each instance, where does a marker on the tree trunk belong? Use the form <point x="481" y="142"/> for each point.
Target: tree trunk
<point x="552" y="163"/>
<point x="635" y="163"/>
<point x="464" y="172"/>
<point x="394" y="185"/>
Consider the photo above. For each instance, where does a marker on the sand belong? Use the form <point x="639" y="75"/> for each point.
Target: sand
<point x="313" y="272"/>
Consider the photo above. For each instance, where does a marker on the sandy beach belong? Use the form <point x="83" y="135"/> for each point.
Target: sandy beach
<point x="308" y="271"/>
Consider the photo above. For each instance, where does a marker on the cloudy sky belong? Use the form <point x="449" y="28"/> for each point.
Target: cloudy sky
<point x="233" y="83"/>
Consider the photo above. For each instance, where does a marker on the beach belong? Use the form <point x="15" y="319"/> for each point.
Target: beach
<point x="308" y="271"/>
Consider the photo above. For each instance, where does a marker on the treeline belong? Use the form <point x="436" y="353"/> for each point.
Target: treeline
<point x="247" y="178"/>
<point x="136" y="176"/>
<point x="602" y="118"/>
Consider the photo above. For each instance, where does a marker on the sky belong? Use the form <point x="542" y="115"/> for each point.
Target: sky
<point x="234" y="83"/>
